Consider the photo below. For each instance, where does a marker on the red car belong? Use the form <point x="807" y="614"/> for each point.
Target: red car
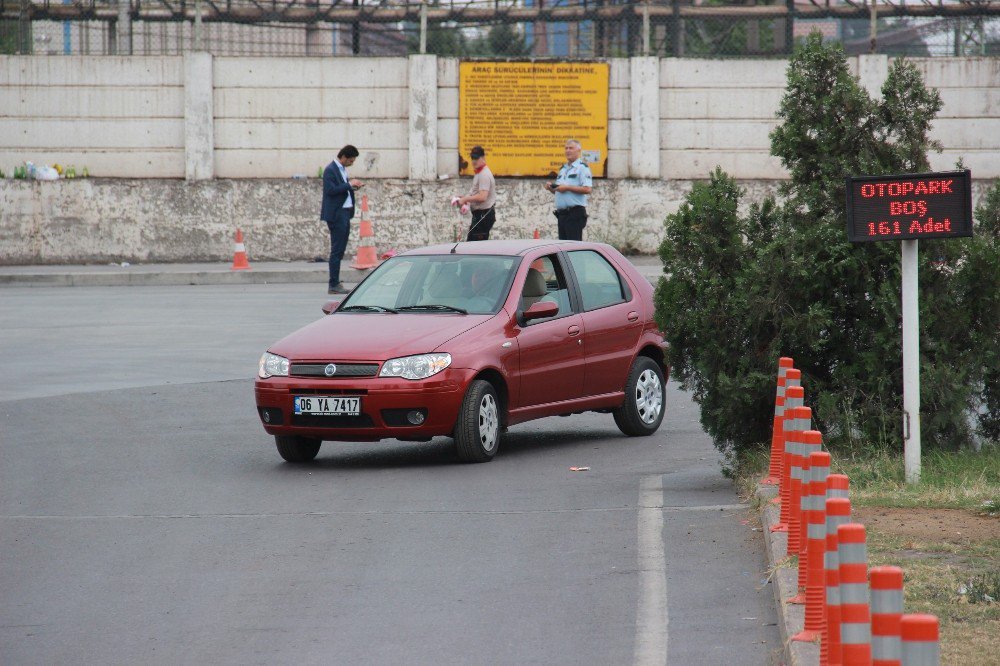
<point x="466" y="340"/>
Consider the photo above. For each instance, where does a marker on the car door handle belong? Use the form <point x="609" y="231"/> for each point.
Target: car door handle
<point x="573" y="330"/>
<point x="633" y="316"/>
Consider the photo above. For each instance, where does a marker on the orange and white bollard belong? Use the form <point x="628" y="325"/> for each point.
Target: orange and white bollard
<point x="774" y="469"/>
<point x="920" y="636"/>
<point x="838" y="512"/>
<point x="855" y="616"/>
<point x="886" y="584"/>
<point x="815" y="583"/>
<point x="794" y="397"/>
<point x="838" y="485"/>
<point x="811" y="441"/>
<point x="793" y="377"/>
<point x="801" y="417"/>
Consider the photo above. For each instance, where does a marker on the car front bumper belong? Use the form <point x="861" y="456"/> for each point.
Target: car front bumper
<point x="386" y="403"/>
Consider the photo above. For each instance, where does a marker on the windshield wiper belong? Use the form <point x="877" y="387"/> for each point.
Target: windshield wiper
<point x="368" y="308"/>
<point x="434" y="308"/>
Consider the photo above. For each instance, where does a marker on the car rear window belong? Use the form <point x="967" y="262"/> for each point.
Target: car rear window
<point x="600" y="284"/>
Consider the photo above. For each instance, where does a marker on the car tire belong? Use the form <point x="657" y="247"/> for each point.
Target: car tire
<point x="478" y="431"/>
<point x="297" y="449"/>
<point x="645" y="395"/>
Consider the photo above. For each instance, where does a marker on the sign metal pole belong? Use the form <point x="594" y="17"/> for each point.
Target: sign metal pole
<point x="911" y="363"/>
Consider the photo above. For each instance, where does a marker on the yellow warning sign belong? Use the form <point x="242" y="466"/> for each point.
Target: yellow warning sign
<point x="522" y="113"/>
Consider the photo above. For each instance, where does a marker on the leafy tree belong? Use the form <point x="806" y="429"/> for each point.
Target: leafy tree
<point x="782" y="279"/>
<point x="442" y="40"/>
<point x="503" y="41"/>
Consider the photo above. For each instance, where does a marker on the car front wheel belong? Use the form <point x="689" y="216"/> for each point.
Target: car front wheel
<point x="642" y="411"/>
<point x="478" y="431"/>
<point x="297" y="449"/>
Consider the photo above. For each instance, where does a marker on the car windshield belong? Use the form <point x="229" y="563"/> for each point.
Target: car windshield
<point x="437" y="284"/>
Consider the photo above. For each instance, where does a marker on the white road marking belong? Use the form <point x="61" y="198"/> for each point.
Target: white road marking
<point x="651" y="616"/>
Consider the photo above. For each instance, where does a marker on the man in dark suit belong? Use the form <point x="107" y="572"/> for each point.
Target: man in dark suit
<point x="338" y="209"/>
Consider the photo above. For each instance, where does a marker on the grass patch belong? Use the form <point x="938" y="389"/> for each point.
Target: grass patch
<point x="948" y="480"/>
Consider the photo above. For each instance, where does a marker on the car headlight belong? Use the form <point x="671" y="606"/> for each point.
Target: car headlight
<point x="420" y="366"/>
<point x="272" y="365"/>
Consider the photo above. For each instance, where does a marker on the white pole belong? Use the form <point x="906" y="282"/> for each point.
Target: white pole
<point x="911" y="363"/>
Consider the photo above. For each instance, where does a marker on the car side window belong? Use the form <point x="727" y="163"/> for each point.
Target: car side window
<point x="600" y="284"/>
<point x="546" y="281"/>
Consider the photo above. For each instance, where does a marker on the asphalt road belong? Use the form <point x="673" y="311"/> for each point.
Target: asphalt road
<point x="145" y="516"/>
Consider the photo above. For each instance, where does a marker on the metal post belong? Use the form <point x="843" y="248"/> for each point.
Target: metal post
<point x="198" y="43"/>
<point x="423" y="26"/>
<point x="873" y="30"/>
<point x="645" y="28"/>
<point x="124" y="27"/>
<point x="911" y="363"/>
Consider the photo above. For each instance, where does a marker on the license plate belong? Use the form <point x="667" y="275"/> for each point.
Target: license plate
<point x="327" y="405"/>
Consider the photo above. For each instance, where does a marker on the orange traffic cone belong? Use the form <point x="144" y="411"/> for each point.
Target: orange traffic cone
<point x="536" y="236"/>
<point x="367" y="256"/>
<point x="240" y="262"/>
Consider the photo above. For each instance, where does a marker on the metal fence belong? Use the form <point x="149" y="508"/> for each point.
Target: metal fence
<point x="564" y="29"/>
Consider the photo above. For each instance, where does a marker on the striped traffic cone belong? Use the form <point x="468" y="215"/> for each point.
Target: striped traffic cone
<point x="920" y="636"/>
<point x="240" y="262"/>
<point x="886" y="584"/>
<point x="838" y="512"/>
<point x="774" y="469"/>
<point x="367" y="257"/>
<point x="855" y="616"/>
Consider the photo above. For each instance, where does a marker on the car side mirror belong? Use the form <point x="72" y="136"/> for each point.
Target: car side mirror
<point x="541" y="310"/>
<point x="331" y="306"/>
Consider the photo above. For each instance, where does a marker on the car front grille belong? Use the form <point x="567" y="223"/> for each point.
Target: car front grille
<point x="339" y="370"/>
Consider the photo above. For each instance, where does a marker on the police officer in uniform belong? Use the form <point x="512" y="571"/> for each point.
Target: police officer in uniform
<point x="571" y="188"/>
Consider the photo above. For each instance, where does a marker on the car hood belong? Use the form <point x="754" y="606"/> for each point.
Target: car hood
<point x="372" y="337"/>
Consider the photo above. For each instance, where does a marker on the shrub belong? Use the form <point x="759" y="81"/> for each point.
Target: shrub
<point x="741" y="290"/>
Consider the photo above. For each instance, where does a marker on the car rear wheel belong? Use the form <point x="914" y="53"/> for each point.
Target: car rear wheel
<point x="478" y="431"/>
<point x="297" y="449"/>
<point x="642" y="411"/>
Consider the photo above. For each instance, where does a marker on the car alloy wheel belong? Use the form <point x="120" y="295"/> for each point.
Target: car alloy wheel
<point x="478" y="431"/>
<point x="489" y="424"/>
<point x="648" y="396"/>
<point x="642" y="410"/>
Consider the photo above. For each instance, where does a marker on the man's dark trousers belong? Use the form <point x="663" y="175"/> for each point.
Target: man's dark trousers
<point x="571" y="222"/>
<point x="340" y="230"/>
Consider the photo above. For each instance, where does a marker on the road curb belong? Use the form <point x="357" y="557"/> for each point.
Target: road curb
<point x="784" y="583"/>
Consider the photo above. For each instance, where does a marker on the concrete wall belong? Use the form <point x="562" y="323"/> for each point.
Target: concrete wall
<point x="201" y="145"/>
<point x="121" y="116"/>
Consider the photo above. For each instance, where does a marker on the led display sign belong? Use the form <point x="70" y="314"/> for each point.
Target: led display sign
<point x="908" y="207"/>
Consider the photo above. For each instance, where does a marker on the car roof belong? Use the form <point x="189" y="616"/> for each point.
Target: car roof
<point x="502" y="247"/>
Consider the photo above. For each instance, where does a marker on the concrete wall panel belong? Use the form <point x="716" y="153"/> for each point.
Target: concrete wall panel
<point x="712" y="103"/>
<point x="83" y="71"/>
<point x="698" y="164"/>
<point x="315" y="103"/>
<point x="242" y="163"/>
<point x="684" y="72"/>
<point x="147" y="163"/>
<point x="322" y="73"/>
<point x="721" y="135"/>
<point x="447" y="133"/>
<point x="92" y="102"/>
<point x="970" y="102"/>
<point x="959" y="133"/>
<point x="92" y="133"/>
<point x="289" y="136"/>
<point x="959" y="72"/>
